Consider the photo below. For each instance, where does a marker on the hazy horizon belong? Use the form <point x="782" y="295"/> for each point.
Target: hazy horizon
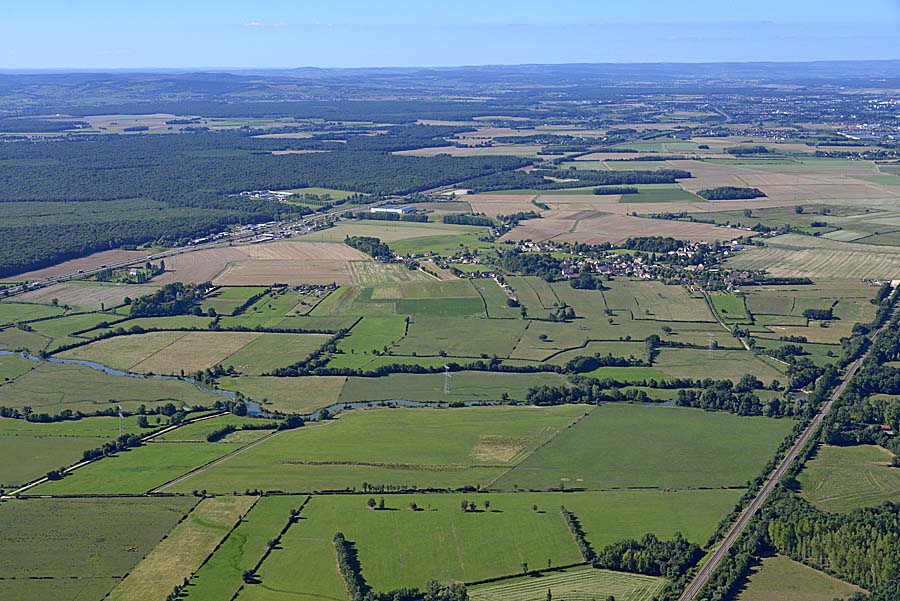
<point x="102" y="35"/>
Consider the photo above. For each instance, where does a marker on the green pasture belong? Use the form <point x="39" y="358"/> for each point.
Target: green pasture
<point x="845" y="478"/>
<point x="421" y="447"/>
<point x="622" y="445"/>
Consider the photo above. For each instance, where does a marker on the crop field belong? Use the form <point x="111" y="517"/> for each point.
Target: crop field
<point x="30" y="457"/>
<point x="13" y="338"/>
<point x="220" y="576"/>
<point x="845" y="478"/>
<point x="285" y="262"/>
<point x="441" y="540"/>
<point x="722" y="364"/>
<point x="226" y="300"/>
<point x="87" y="296"/>
<point x="464" y="386"/>
<point x="594" y="227"/>
<point x="429" y="447"/>
<point x="812" y="257"/>
<point x="270" y="351"/>
<point x="11" y="312"/>
<point x="654" y="300"/>
<point x="577" y="584"/>
<point x="51" y="388"/>
<point x="730" y="307"/>
<point x="88" y="541"/>
<point x="446" y="245"/>
<point x="388" y="231"/>
<point x="288" y="395"/>
<point x="681" y="448"/>
<point x="460" y="337"/>
<point x="302" y="545"/>
<point x="170" y="352"/>
<point x="138" y="470"/>
<point x="405" y="299"/>
<point x="373" y="334"/>
<point x="780" y="578"/>
<point x="183" y="550"/>
<point x="13" y="366"/>
<point x="94" y="261"/>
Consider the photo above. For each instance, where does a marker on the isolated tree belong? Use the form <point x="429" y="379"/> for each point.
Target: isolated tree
<point x="534" y="507"/>
<point x="381" y="503"/>
<point x="371" y="503"/>
<point x="248" y="576"/>
<point x="413" y="506"/>
<point x="487" y="505"/>
<point x="464" y="505"/>
<point x="524" y="567"/>
<point x="549" y="595"/>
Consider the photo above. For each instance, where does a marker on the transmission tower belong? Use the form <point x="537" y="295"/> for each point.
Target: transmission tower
<point x="711" y="345"/>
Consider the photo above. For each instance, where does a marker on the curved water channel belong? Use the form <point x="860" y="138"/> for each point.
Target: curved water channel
<point x="253" y="407"/>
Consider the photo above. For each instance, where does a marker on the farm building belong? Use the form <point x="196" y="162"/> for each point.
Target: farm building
<point x="396" y="210"/>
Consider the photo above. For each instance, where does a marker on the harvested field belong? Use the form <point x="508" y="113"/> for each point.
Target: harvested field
<point x="284" y="262"/>
<point x="815" y="263"/>
<point x="594" y="227"/>
<point x="94" y="261"/>
<point x="502" y="204"/>
<point x="178" y="556"/>
<point x="386" y="231"/>
<point x="84" y="295"/>
<point x="574" y="584"/>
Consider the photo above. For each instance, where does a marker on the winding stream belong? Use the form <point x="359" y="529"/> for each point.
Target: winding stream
<point x="253" y="407"/>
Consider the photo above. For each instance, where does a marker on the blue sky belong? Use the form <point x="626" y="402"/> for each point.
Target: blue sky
<point x="356" y="33"/>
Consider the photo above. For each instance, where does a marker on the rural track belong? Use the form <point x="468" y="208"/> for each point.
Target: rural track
<point x="737" y="528"/>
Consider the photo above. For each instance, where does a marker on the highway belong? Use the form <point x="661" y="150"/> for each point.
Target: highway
<point x="737" y="528"/>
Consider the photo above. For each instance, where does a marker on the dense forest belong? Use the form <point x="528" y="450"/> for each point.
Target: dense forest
<point x="571" y="178"/>
<point x="69" y="197"/>
<point x="730" y="193"/>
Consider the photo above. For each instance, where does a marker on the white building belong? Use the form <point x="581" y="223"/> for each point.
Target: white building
<point x="397" y="210"/>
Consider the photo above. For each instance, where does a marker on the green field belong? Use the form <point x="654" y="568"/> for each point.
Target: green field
<point x="730" y="307"/>
<point x="27" y="458"/>
<point x="439" y="540"/>
<point x="287" y="395"/>
<point x="226" y="300"/>
<point x="13" y="339"/>
<point x="271" y="351"/>
<point x="220" y="576"/>
<point x="12" y="366"/>
<point x="138" y="470"/>
<point x="577" y="584"/>
<point x="464" y="386"/>
<point x="622" y="446"/>
<point x="52" y="388"/>
<point x="179" y="555"/>
<point x="422" y="447"/>
<point x="83" y="541"/>
<point x="11" y="312"/>
<point x="846" y="478"/>
<point x="782" y="579"/>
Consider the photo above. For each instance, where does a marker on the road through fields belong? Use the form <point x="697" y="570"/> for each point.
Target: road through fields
<point x="706" y="571"/>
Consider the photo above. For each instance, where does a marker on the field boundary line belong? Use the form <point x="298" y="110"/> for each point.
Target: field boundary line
<point x="80" y="464"/>
<point x="542" y="445"/>
<point x="209" y="464"/>
<point x="156" y="352"/>
<point x="268" y="551"/>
